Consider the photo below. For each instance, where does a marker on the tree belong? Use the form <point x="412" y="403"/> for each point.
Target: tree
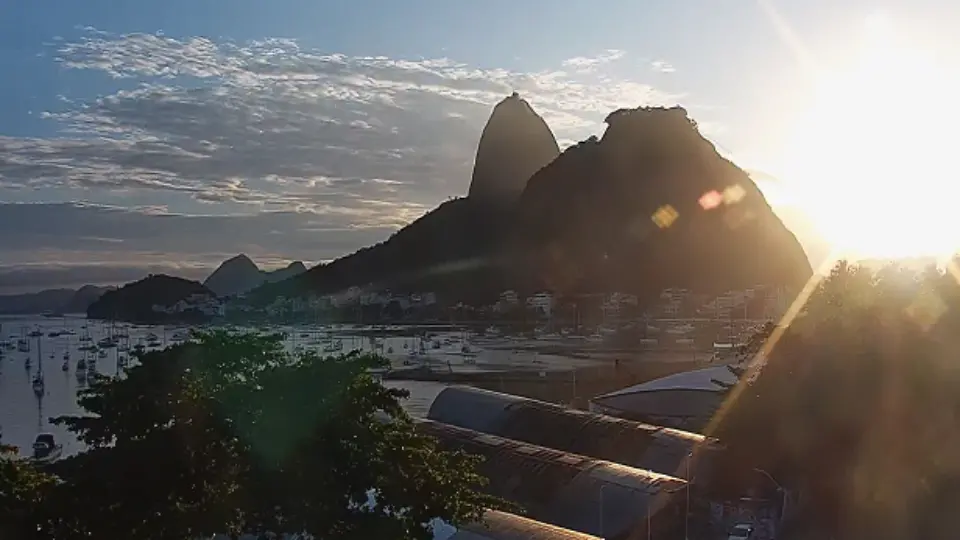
<point x="22" y="490"/>
<point x="232" y="434"/>
<point x="856" y="406"/>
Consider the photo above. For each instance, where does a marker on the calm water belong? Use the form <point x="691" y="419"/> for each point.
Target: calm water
<point x="23" y="414"/>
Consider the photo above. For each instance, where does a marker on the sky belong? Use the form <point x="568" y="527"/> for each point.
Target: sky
<point x="167" y="136"/>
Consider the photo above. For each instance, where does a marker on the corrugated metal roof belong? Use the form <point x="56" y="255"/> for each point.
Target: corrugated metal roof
<point x="504" y="526"/>
<point x="579" y="432"/>
<point x="474" y="410"/>
<point x="558" y="487"/>
<point x="698" y="379"/>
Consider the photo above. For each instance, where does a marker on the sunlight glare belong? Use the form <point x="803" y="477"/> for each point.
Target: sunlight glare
<point x="872" y="160"/>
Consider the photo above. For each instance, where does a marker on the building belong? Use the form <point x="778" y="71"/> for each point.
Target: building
<point x="572" y="491"/>
<point x="503" y="526"/>
<point x="685" y="400"/>
<point x="672" y="302"/>
<point x="206" y="304"/>
<point x="508" y="300"/>
<point x="614" y="303"/>
<point x="541" y="302"/>
<point x="599" y="436"/>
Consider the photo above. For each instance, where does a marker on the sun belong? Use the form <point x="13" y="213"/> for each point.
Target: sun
<point x="873" y="161"/>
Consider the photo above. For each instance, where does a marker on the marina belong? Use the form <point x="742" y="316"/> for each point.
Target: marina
<point x="46" y="361"/>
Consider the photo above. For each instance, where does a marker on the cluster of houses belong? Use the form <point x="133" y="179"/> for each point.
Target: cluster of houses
<point x="541" y="302"/>
<point x="760" y="302"/>
<point x="352" y="297"/>
<point x="205" y="304"/>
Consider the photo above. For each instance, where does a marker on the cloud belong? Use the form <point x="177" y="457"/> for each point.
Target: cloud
<point x="85" y="243"/>
<point x="277" y="132"/>
<point x="19" y="279"/>
<point x="662" y="66"/>
<point x="585" y="64"/>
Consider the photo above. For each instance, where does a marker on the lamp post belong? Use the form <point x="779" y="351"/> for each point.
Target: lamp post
<point x="780" y="489"/>
<point x="602" y="487"/>
<point x="686" y="516"/>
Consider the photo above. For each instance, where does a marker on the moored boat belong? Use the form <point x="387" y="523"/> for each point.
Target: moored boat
<point x="46" y="449"/>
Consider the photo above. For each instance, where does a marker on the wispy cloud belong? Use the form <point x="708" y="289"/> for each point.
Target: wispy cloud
<point x="662" y="66"/>
<point x="586" y="64"/>
<point x="74" y="241"/>
<point x="367" y="142"/>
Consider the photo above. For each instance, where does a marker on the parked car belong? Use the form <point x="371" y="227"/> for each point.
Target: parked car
<point x="741" y="531"/>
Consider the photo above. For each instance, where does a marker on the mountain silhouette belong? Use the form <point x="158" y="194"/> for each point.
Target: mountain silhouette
<point x="51" y="300"/>
<point x="83" y="298"/>
<point x="457" y="240"/>
<point x="240" y="274"/>
<point x="515" y="143"/>
<point x="587" y="221"/>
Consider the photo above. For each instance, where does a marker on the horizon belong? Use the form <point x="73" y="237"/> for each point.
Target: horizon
<point x="169" y="138"/>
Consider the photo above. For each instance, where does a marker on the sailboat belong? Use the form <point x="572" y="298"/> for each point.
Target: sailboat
<point x="82" y="369"/>
<point x="38" y="378"/>
<point x="45" y="446"/>
<point x="23" y="344"/>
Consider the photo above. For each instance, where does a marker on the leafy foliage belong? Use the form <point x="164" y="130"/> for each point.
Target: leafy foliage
<point x="22" y="491"/>
<point x="231" y="434"/>
<point x="856" y="406"/>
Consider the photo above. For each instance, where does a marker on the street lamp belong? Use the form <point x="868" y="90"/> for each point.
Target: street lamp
<point x="780" y="489"/>
<point x="602" y="487"/>
<point x="686" y="516"/>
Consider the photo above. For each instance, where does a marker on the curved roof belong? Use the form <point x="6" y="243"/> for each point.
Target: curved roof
<point x="590" y="434"/>
<point x="566" y="489"/>
<point x="504" y="526"/>
<point x="699" y="380"/>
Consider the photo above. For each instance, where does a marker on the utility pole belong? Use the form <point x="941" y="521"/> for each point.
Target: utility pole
<point x="780" y="489"/>
<point x="686" y="517"/>
<point x="602" y="486"/>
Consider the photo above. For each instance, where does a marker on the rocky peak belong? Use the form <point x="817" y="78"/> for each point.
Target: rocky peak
<point x="235" y="275"/>
<point x="595" y="206"/>
<point x="289" y="271"/>
<point x="241" y="260"/>
<point x="296" y="266"/>
<point x="515" y="143"/>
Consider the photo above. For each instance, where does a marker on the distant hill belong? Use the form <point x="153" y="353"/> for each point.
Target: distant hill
<point x="134" y="301"/>
<point x="240" y="274"/>
<point x="51" y="300"/>
<point x="585" y="221"/>
<point x="84" y="297"/>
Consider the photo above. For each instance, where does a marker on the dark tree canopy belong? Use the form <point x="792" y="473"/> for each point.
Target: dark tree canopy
<point x="232" y="434"/>
<point x="23" y="489"/>
<point x="857" y="403"/>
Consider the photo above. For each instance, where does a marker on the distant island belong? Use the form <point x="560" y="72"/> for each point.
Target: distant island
<point x="51" y="301"/>
<point x="649" y="206"/>
<point x="157" y="299"/>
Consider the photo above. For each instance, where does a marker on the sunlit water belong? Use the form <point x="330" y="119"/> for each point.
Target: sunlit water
<point x="23" y="414"/>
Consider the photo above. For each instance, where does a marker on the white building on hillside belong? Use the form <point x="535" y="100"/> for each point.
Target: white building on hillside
<point x="542" y="302"/>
